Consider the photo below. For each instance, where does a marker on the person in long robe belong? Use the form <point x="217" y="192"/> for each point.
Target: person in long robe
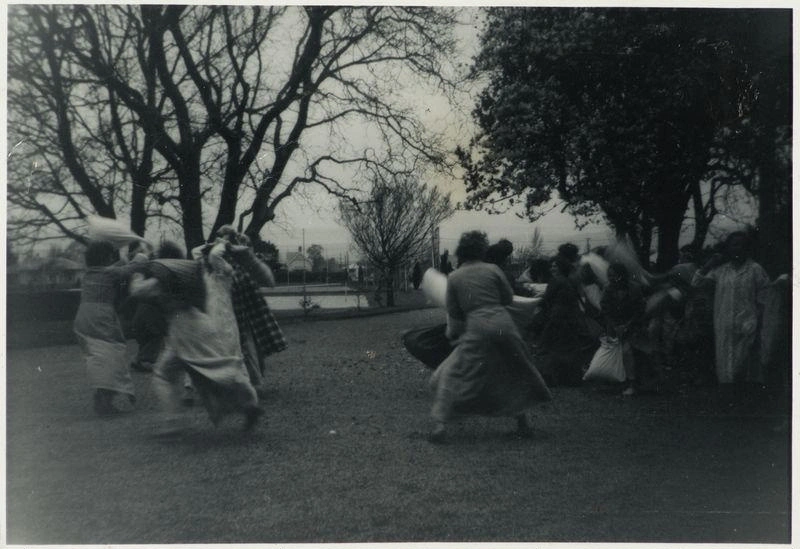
<point x="202" y="338"/>
<point x="740" y="291"/>
<point x="99" y="329"/>
<point x="260" y="334"/>
<point x="491" y="371"/>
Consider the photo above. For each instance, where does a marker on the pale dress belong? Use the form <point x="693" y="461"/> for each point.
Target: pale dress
<point x="491" y="371"/>
<point x="206" y="344"/>
<point x="739" y="297"/>
<point x="99" y="331"/>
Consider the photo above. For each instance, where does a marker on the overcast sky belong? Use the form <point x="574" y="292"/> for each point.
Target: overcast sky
<point x="316" y="214"/>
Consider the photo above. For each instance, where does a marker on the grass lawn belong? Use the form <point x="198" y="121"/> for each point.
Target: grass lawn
<point x="342" y="457"/>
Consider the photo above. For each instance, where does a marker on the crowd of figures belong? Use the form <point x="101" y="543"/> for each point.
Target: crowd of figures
<point x="510" y="337"/>
<point x="203" y="328"/>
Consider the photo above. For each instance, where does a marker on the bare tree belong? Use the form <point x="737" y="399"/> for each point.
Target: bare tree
<point x="394" y="223"/>
<point x="189" y="107"/>
<point x="75" y="146"/>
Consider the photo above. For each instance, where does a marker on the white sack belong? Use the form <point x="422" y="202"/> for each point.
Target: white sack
<point x="607" y="364"/>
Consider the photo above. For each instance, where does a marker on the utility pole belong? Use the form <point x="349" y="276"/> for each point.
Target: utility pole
<point x="304" y="264"/>
<point x="434" y="247"/>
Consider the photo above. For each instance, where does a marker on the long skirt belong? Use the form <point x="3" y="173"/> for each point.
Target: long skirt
<point x="100" y="336"/>
<point x="194" y="344"/>
<point x="490" y="372"/>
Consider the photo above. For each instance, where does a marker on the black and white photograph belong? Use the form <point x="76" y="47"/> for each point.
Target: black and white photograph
<point x="392" y="273"/>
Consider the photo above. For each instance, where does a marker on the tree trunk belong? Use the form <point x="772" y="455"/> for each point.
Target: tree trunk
<point x="701" y="222"/>
<point x="773" y="246"/>
<point x="191" y="204"/>
<point x="389" y="280"/>
<point x="226" y="215"/>
<point x="229" y="195"/>
<point x="261" y="210"/>
<point x="138" y="214"/>
<point x="669" y="233"/>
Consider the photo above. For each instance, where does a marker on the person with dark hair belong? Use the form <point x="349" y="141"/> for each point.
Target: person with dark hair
<point x="563" y="335"/>
<point x="170" y="250"/>
<point x="569" y="251"/>
<point x="623" y="308"/>
<point x="498" y="254"/>
<point x="100" y="253"/>
<point x="739" y="297"/>
<point x="490" y="371"/>
<point x="99" y="330"/>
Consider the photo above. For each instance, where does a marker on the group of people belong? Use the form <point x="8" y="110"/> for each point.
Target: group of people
<point x="201" y="324"/>
<point x="204" y="328"/>
<point x="725" y="317"/>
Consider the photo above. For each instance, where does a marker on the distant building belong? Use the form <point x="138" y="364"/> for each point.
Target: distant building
<point x="296" y="261"/>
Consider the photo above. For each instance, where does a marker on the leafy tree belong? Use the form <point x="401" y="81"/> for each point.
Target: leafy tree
<point x="612" y="110"/>
<point x="269" y="251"/>
<point x="314" y="253"/>
<point x="394" y="223"/>
<point x="753" y="150"/>
<point x="171" y="110"/>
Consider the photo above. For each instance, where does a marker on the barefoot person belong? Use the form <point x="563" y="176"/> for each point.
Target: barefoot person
<point x="490" y="372"/>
